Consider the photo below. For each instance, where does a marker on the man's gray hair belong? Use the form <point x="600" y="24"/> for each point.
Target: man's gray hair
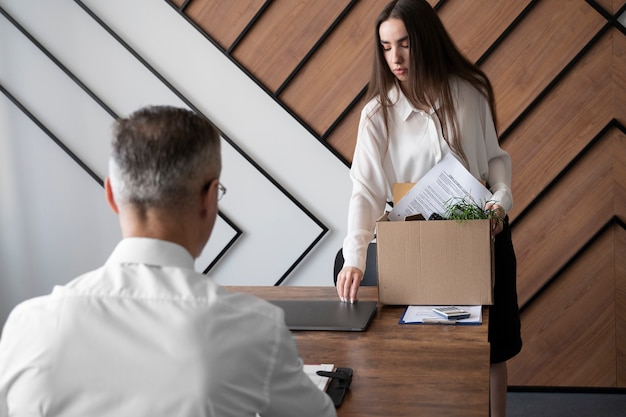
<point x="161" y="156"/>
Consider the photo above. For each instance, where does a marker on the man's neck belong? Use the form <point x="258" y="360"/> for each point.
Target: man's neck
<point x="158" y="225"/>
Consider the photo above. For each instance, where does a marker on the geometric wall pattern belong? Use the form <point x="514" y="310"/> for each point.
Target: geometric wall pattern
<point x="302" y="229"/>
<point x="557" y="67"/>
<point x="68" y="69"/>
<point x="558" y="71"/>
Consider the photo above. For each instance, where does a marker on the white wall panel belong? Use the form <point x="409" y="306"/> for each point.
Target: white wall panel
<point x="54" y="99"/>
<point x="284" y="187"/>
<point x="54" y="219"/>
<point x="246" y="114"/>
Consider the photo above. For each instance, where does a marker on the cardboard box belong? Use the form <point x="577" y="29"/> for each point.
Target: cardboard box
<point x="437" y="262"/>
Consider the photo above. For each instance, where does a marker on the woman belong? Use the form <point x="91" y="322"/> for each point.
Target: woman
<point x="426" y="100"/>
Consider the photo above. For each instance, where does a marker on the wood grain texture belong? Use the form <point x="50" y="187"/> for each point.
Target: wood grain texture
<point x="612" y="6"/>
<point x="474" y="29"/>
<point x="223" y="20"/>
<point x="619" y="167"/>
<point x="538" y="49"/>
<point x="337" y="71"/>
<point x="619" y="173"/>
<point x="399" y="370"/>
<point x="343" y="137"/>
<point x="566" y="217"/>
<point x="620" y="303"/>
<point x="619" y="75"/>
<point x="569" y="331"/>
<point x="561" y="126"/>
<point x="283" y="36"/>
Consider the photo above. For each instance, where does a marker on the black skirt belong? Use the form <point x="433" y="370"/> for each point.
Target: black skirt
<point x="504" y="321"/>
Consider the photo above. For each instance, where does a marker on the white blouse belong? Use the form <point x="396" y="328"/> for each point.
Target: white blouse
<point x="415" y="145"/>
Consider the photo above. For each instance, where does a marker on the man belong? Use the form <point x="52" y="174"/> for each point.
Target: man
<point x="146" y="335"/>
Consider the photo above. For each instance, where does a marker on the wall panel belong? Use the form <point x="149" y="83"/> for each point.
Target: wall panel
<point x="557" y="70"/>
<point x="340" y="68"/>
<point x="620" y="303"/>
<point x="284" y="36"/>
<point x="558" y="129"/>
<point x="222" y="20"/>
<point x="537" y="51"/>
<point x="574" y="209"/>
<point x="619" y="76"/>
<point x="476" y="29"/>
<point x="568" y="332"/>
<point x="557" y="67"/>
<point x="343" y="137"/>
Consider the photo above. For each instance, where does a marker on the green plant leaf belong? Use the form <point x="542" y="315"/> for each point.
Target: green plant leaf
<point x="461" y="209"/>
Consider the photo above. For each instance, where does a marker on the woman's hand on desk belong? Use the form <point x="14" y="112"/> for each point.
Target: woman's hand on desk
<point x="348" y="282"/>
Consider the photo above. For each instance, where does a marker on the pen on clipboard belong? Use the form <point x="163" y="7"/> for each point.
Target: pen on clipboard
<point x="429" y="320"/>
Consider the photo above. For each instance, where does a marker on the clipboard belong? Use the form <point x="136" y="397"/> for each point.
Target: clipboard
<point x="425" y="315"/>
<point x="340" y="380"/>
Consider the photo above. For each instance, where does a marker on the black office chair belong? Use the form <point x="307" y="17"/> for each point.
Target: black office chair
<point x="370" y="275"/>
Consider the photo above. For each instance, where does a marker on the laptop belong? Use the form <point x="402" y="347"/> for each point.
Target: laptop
<point x="327" y="315"/>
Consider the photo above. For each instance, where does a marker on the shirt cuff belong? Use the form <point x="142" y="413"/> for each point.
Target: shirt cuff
<point x="502" y="196"/>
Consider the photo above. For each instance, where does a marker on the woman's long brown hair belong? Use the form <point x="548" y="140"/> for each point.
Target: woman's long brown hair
<point x="434" y="61"/>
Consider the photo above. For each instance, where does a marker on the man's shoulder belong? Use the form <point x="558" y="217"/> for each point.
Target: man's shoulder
<point x="31" y="314"/>
<point x="250" y="304"/>
<point x="249" y="319"/>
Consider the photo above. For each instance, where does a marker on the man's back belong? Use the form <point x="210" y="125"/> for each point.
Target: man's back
<point x="145" y="335"/>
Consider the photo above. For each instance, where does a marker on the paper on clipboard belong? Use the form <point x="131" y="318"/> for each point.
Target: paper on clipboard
<point x="446" y="181"/>
<point x="425" y="315"/>
<point x="320" y="381"/>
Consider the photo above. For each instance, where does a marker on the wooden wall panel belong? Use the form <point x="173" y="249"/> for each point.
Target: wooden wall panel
<point x="343" y="137"/>
<point x="620" y="302"/>
<point x="557" y="67"/>
<point x="568" y="332"/>
<point x="283" y="36"/>
<point x="475" y="29"/>
<point x="619" y="174"/>
<point x="619" y="76"/>
<point x="559" y="128"/>
<point x="611" y="5"/>
<point x="537" y="50"/>
<point x="337" y="71"/>
<point x="572" y="211"/>
<point x="222" y="20"/>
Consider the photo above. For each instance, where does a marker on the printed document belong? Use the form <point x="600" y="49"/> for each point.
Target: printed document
<point x="447" y="181"/>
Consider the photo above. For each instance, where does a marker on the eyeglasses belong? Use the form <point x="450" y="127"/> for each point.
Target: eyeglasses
<point x="221" y="190"/>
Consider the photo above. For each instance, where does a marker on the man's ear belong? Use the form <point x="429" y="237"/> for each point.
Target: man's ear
<point x="109" y="195"/>
<point x="209" y="196"/>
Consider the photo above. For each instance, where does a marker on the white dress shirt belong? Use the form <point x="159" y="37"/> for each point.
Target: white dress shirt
<point x="414" y="145"/>
<point x="146" y="335"/>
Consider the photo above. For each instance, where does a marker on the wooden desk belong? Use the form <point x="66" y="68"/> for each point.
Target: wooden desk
<point x="399" y="370"/>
